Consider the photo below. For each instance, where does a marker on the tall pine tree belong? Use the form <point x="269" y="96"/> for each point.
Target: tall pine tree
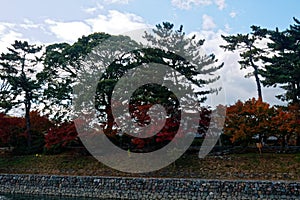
<point x="283" y="68"/>
<point x="251" y="52"/>
<point x="20" y="87"/>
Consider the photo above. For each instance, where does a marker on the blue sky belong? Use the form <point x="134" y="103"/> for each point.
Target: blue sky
<point x="66" y="20"/>
<point x="266" y="13"/>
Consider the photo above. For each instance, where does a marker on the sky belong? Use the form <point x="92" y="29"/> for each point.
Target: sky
<point x="46" y="22"/>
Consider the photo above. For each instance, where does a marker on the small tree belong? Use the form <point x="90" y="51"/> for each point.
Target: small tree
<point x="18" y="69"/>
<point x="246" y="120"/>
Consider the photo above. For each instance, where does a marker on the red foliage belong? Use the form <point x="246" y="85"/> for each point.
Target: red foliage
<point x="140" y="143"/>
<point x="61" y="135"/>
<point x="205" y="116"/>
<point x="139" y="112"/>
<point x="10" y="128"/>
<point x="39" y="124"/>
<point x="170" y="130"/>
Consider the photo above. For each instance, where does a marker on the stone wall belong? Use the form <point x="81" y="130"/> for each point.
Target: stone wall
<point x="147" y="188"/>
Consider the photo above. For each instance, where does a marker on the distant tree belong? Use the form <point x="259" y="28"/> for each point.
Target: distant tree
<point x="250" y="52"/>
<point x="20" y="87"/>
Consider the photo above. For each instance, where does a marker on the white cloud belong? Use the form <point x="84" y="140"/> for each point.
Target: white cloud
<point x="68" y="31"/>
<point x="232" y="14"/>
<point x="116" y="1"/>
<point x="92" y="10"/>
<point x="227" y="28"/>
<point x="2" y="28"/>
<point x="8" y="35"/>
<point x="28" y="24"/>
<point x="116" y="22"/>
<point x="187" y="4"/>
<point x="5" y="26"/>
<point x="208" y="22"/>
<point x="221" y="4"/>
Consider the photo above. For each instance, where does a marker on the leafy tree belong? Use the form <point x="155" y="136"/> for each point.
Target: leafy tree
<point x="250" y="52"/>
<point x="61" y="65"/>
<point x="254" y="117"/>
<point x="20" y="87"/>
<point x="283" y="67"/>
<point x="64" y="62"/>
<point x="141" y="100"/>
<point x="245" y="120"/>
<point x="285" y="126"/>
<point x="280" y="60"/>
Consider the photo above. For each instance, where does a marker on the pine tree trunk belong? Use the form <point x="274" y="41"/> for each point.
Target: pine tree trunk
<point x="28" y="124"/>
<point x="255" y="67"/>
<point x="257" y="83"/>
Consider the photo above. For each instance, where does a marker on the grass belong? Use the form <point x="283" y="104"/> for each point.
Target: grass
<point x="238" y="166"/>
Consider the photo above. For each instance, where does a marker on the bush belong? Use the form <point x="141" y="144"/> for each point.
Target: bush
<point x="12" y="132"/>
<point x="60" y="137"/>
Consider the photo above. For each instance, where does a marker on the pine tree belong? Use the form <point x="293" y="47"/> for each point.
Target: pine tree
<point x="200" y="67"/>
<point x="18" y="69"/>
<point x="248" y="45"/>
<point x="283" y="68"/>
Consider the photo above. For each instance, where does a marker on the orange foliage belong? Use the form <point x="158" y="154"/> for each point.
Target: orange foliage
<point x="245" y="120"/>
<point x="254" y="117"/>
